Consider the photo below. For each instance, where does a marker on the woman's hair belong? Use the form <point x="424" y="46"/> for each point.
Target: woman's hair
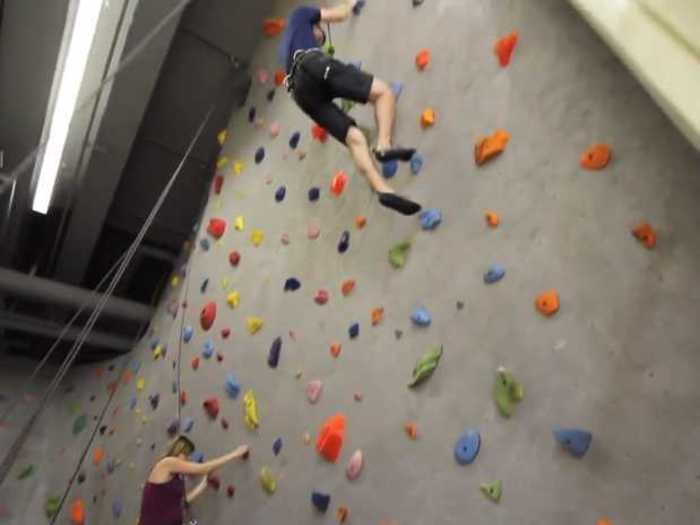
<point x="181" y="445"/>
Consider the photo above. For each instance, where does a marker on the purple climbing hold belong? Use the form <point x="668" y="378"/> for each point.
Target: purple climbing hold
<point x="292" y="284"/>
<point x="259" y="155"/>
<point x="359" y="6"/>
<point x="397" y="89"/>
<point x="277" y="446"/>
<point x="154" y="399"/>
<point x="344" y="242"/>
<point x="294" y="140"/>
<point x="208" y="349"/>
<point x="197" y="456"/>
<point x="417" y="162"/>
<point x="421" y="317"/>
<point x="173" y="427"/>
<point x="251" y="114"/>
<point x="280" y="193"/>
<point x="314" y="194"/>
<point x="494" y="274"/>
<point x="132" y="403"/>
<point x="390" y="168"/>
<point x="187" y="333"/>
<point x="187" y="425"/>
<point x="273" y="357"/>
<point x="117" y="509"/>
<point x="320" y="500"/>
<point x="354" y="330"/>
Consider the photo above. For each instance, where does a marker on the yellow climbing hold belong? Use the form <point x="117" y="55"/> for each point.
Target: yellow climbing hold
<point x="224" y="283"/>
<point x="254" y="324"/>
<point x="175" y="281"/>
<point x="250" y="410"/>
<point x="238" y="167"/>
<point x="267" y="480"/>
<point x="256" y="237"/>
<point x="239" y="223"/>
<point x="144" y="419"/>
<point x="222" y="136"/>
<point x="233" y="299"/>
<point x="221" y="162"/>
<point x="157" y="352"/>
<point x="140" y="384"/>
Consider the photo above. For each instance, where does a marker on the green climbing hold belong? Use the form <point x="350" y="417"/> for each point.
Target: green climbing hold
<point x="493" y="490"/>
<point x="74" y="408"/>
<point x="426" y="365"/>
<point x="399" y="253"/>
<point x="79" y="424"/>
<point x="507" y="391"/>
<point x="51" y="507"/>
<point x="267" y="480"/>
<point x="26" y="472"/>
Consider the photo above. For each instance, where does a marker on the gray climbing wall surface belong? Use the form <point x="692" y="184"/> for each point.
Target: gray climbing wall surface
<point x="619" y="359"/>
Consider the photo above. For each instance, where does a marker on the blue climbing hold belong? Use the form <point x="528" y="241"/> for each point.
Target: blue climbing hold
<point x="205" y="283"/>
<point x="132" y="403"/>
<point x="136" y="366"/>
<point x="187" y="424"/>
<point x="359" y="6"/>
<point x="574" y="440"/>
<point x="197" y="456"/>
<point x="251" y="114"/>
<point x="232" y="386"/>
<point x="430" y="219"/>
<point x="320" y="500"/>
<point x="187" y="333"/>
<point x="280" y="193"/>
<point x="344" y="242"/>
<point x="292" y="284"/>
<point x="421" y="317"/>
<point x="154" y="343"/>
<point x="467" y="447"/>
<point x="314" y="194"/>
<point x="273" y="357"/>
<point x="397" y="89"/>
<point x="208" y="350"/>
<point x="390" y="168"/>
<point x="294" y="140"/>
<point x="204" y="244"/>
<point x="417" y="162"/>
<point x="259" y="155"/>
<point x="354" y="330"/>
<point x="494" y="274"/>
<point x="277" y="446"/>
<point x="117" y="509"/>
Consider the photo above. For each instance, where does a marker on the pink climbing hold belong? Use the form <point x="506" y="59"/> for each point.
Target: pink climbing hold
<point x="284" y="239"/>
<point x="211" y="406"/>
<point x="313" y="391"/>
<point x="355" y="465"/>
<point x="321" y="297"/>
<point x="230" y="491"/>
<point x="208" y="315"/>
<point x="313" y="232"/>
<point x="275" y="129"/>
<point x="216" y="228"/>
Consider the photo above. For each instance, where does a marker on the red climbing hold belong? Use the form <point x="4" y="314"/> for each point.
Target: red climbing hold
<point x="645" y="234"/>
<point x="225" y="333"/>
<point x="331" y="437"/>
<point x="338" y="183"/>
<point x="360" y="222"/>
<point x="321" y="297"/>
<point x="423" y="59"/>
<point x="183" y="398"/>
<point x="218" y="184"/>
<point x="214" y="481"/>
<point x="207" y="316"/>
<point x="279" y="77"/>
<point x="319" y="133"/>
<point x="211" y="406"/>
<point x="230" y="491"/>
<point x="273" y="26"/>
<point x="219" y="357"/>
<point x="504" y="48"/>
<point x="234" y="258"/>
<point x="98" y="456"/>
<point x="195" y="363"/>
<point x="216" y="228"/>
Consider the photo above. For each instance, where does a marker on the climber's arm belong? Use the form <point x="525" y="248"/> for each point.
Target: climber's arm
<point x="338" y="13"/>
<point x="181" y="466"/>
<point x="197" y="491"/>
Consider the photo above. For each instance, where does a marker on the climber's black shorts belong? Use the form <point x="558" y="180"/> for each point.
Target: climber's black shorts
<point x="318" y="79"/>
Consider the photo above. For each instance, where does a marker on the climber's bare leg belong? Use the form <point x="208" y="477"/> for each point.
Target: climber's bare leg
<point x="382" y="98"/>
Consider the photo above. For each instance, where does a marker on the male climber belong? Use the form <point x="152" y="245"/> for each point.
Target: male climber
<point x="315" y="79"/>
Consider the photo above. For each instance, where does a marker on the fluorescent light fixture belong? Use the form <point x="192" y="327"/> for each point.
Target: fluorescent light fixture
<point x="71" y="79"/>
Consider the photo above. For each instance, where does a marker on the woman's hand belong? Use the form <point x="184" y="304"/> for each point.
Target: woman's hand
<point x="241" y="452"/>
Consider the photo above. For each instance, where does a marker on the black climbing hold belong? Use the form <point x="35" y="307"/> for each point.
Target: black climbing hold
<point x="205" y="283"/>
<point x="416" y="3"/>
<point x="259" y="155"/>
<point x="277" y="446"/>
<point x="314" y="194"/>
<point x="354" y="330"/>
<point x="320" y="500"/>
<point x="103" y="429"/>
<point x="271" y="95"/>
<point x="153" y="446"/>
<point x="398" y="334"/>
<point x="280" y="193"/>
<point x="460" y="305"/>
<point x="294" y="141"/>
<point x="81" y="477"/>
<point x="292" y="284"/>
<point x="154" y="399"/>
<point x="273" y="357"/>
<point x="344" y="243"/>
<point x="251" y="114"/>
<point x="92" y="398"/>
<point x="398" y="203"/>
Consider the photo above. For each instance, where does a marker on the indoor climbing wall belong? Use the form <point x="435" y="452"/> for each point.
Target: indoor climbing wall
<point x="559" y="242"/>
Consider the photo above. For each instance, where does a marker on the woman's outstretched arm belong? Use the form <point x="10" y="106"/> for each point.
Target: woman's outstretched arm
<point x="197" y="491"/>
<point x="181" y="466"/>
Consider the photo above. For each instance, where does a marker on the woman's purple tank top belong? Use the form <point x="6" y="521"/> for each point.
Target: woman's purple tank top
<point x="163" y="503"/>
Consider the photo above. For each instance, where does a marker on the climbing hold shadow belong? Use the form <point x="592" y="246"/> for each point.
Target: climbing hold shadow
<point x="494" y="274"/>
<point x="426" y="365"/>
<point x="574" y="440"/>
<point x="251" y="114"/>
<point x="467" y="447"/>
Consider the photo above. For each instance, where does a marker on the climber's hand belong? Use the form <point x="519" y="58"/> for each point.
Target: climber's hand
<point x="242" y="452"/>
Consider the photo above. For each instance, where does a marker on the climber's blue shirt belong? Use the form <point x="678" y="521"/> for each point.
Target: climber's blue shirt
<point x="299" y="33"/>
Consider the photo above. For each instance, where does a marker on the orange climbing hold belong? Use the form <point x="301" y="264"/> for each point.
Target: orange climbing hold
<point x="338" y="183"/>
<point x="360" y="222"/>
<point x="347" y="287"/>
<point x="331" y="437"/>
<point x="411" y="429"/>
<point x="423" y="59"/>
<point x="596" y="157"/>
<point x="646" y="234"/>
<point x="319" y="133"/>
<point x="279" y="77"/>
<point x="98" y="456"/>
<point x="604" y="521"/>
<point x="77" y="512"/>
<point x="428" y="118"/>
<point x="342" y="514"/>
<point x="377" y="315"/>
<point x="548" y="302"/>
<point x="273" y="26"/>
<point x="487" y="148"/>
<point x="492" y="219"/>
<point x="336" y="348"/>
<point x="504" y="48"/>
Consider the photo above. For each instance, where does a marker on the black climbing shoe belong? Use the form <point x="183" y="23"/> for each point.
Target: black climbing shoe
<point x="398" y="203"/>
<point x="402" y="154"/>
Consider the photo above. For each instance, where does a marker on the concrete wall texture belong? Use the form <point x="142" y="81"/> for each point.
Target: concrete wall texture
<point x="620" y="358"/>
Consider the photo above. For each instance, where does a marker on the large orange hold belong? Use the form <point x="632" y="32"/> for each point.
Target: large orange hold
<point x="77" y="512"/>
<point x="428" y="118"/>
<point x="487" y="148"/>
<point x="423" y="59"/>
<point x="504" y="48"/>
<point x="492" y="219"/>
<point x="347" y="287"/>
<point x="338" y="183"/>
<point x="98" y="456"/>
<point x="646" y="234"/>
<point x="331" y="437"/>
<point x="274" y="26"/>
<point x="547" y="303"/>
<point x="596" y="157"/>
